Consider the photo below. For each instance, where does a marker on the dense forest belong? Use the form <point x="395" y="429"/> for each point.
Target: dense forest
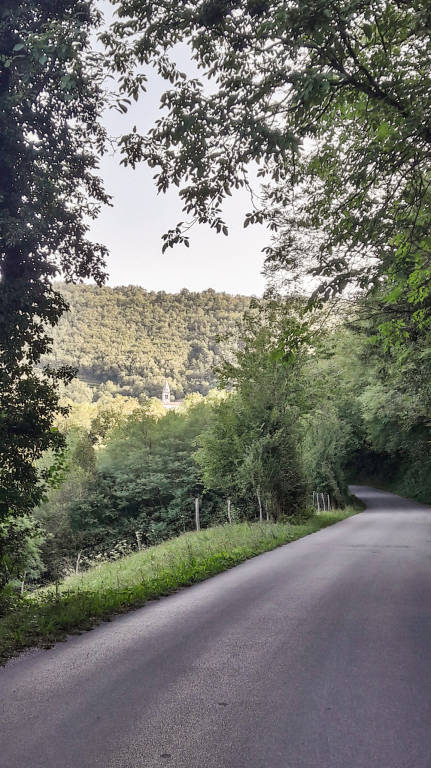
<point x="310" y="401"/>
<point x="128" y="340"/>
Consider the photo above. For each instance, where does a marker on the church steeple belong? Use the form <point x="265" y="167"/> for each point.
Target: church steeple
<point x="166" y="393"/>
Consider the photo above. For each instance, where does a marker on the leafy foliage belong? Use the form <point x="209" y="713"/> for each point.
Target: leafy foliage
<point x="51" y="98"/>
<point x="394" y="396"/>
<point x="22" y="540"/>
<point x="252" y="447"/>
<point x="133" y="485"/>
<point x="330" y="99"/>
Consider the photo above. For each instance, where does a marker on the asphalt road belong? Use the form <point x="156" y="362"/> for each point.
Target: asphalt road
<point x="316" y="655"/>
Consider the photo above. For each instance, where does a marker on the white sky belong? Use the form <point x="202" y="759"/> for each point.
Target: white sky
<point x="133" y="228"/>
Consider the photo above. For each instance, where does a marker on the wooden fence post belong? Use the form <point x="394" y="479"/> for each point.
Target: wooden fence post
<point x="198" y="522"/>
<point x="139" y="540"/>
<point x="229" y="516"/>
<point x="260" y="507"/>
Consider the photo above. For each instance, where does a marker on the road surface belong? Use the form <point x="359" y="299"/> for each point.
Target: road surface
<point x="315" y="655"/>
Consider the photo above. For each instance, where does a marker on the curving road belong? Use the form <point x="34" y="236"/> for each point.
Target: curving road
<point x="315" y="655"/>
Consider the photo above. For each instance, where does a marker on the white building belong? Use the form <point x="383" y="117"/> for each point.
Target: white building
<point x="166" y="394"/>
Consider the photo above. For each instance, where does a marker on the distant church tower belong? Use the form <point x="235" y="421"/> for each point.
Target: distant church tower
<point x="166" y="394"/>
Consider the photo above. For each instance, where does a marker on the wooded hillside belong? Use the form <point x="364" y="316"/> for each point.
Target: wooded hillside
<point x="128" y="340"/>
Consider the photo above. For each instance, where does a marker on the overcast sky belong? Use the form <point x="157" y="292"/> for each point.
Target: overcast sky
<point x="132" y="229"/>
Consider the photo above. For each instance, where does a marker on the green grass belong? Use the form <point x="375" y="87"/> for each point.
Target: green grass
<point x="82" y="601"/>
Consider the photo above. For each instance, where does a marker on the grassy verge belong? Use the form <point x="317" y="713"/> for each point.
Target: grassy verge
<point x="99" y="593"/>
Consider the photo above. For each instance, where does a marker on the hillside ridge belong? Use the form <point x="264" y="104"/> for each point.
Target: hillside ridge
<point x="128" y="340"/>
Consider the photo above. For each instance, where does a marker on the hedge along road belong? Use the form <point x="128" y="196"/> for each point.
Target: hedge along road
<point x="315" y="655"/>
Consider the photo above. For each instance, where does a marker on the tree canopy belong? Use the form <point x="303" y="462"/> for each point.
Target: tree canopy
<point x="331" y="98"/>
<point x="51" y="98"/>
